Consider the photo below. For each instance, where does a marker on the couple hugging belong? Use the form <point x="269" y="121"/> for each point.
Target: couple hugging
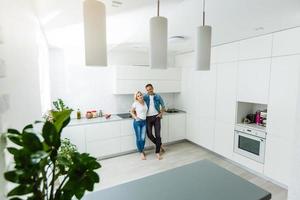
<point x="147" y="111"/>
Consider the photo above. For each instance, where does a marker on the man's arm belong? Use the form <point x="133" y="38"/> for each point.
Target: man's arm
<point x="162" y="104"/>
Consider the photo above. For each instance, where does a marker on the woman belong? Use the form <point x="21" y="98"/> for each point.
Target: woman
<point x="139" y="113"/>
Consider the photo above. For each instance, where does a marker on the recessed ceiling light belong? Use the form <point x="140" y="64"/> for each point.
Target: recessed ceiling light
<point x="260" y="28"/>
<point x="176" y="38"/>
<point x="116" y="3"/>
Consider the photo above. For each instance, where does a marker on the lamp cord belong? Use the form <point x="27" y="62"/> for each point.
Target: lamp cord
<point x="203" y="12"/>
<point x="158" y="2"/>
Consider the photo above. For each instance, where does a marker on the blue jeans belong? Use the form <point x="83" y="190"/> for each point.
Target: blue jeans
<point x="140" y="132"/>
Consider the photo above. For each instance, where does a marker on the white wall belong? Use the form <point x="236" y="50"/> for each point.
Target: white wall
<point x="21" y="84"/>
<point x="294" y="187"/>
<point x="90" y="87"/>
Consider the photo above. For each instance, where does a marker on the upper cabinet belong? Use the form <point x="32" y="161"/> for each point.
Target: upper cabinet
<point x="258" y="47"/>
<point x="286" y="42"/>
<point x="129" y="79"/>
<point x="225" y="53"/>
<point x="253" y="81"/>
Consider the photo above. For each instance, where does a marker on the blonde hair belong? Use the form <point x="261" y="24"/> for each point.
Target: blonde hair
<point x="136" y="94"/>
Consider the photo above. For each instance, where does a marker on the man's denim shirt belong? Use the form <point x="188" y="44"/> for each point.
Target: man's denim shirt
<point x="158" y="101"/>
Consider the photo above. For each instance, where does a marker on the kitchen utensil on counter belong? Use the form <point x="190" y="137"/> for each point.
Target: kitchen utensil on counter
<point x="78" y="114"/>
<point x="100" y="114"/>
<point x="94" y="112"/>
<point x="107" y="116"/>
<point x="251" y="118"/>
<point x="258" y="118"/>
<point x="89" y="115"/>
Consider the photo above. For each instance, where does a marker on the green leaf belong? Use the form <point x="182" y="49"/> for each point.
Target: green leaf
<point x="50" y="134"/>
<point x="20" y="190"/>
<point x="79" y="193"/>
<point x="16" y="139"/>
<point x="60" y="119"/>
<point x="32" y="142"/>
<point x="29" y="126"/>
<point x="12" y="150"/>
<point x="38" y="156"/>
<point x="14" y="176"/>
<point x="13" y="131"/>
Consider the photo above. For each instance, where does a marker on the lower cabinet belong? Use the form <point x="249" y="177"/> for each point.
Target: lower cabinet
<point x="224" y="139"/>
<point x="177" y="127"/>
<point x="108" y="138"/>
<point x="76" y="135"/>
<point x="102" y="148"/>
<point x="278" y="160"/>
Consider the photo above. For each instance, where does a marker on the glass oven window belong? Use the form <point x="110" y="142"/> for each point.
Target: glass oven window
<point x="248" y="144"/>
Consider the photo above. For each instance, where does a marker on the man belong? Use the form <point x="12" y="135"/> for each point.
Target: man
<point x="155" y="112"/>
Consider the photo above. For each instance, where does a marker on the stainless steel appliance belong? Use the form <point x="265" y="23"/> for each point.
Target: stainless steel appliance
<point x="250" y="141"/>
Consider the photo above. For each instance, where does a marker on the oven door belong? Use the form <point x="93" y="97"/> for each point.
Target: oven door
<point x="250" y="146"/>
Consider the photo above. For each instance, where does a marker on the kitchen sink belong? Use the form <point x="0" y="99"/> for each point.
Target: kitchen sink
<point x="173" y="110"/>
<point x="124" y="115"/>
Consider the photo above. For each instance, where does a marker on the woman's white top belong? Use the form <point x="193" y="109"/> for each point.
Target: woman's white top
<point x="140" y="109"/>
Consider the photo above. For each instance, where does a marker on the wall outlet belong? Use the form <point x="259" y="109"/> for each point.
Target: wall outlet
<point x="4" y="103"/>
<point x="2" y="68"/>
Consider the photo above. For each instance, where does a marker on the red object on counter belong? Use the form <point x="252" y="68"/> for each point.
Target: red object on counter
<point x="107" y="116"/>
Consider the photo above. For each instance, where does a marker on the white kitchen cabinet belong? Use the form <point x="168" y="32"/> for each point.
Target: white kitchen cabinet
<point x="284" y="84"/>
<point x="282" y="106"/>
<point x="258" y="47"/>
<point x="253" y="81"/>
<point x="101" y="148"/>
<point x="102" y="131"/>
<point x="226" y="92"/>
<point x="161" y="86"/>
<point x="129" y="79"/>
<point x="177" y="127"/>
<point x="204" y="93"/>
<point x="128" y="143"/>
<point x="226" y="53"/>
<point x="224" y="139"/>
<point x="278" y="159"/>
<point x="204" y="130"/>
<point x="165" y="129"/>
<point x="76" y="135"/>
<point x="127" y="127"/>
<point x="286" y="42"/>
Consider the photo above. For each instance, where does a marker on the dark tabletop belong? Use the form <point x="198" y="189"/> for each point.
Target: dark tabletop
<point x="202" y="180"/>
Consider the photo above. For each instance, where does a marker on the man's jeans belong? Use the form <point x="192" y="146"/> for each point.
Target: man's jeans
<point x="140" y="132"/>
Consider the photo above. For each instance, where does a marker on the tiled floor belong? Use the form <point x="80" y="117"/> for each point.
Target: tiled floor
<point x="129" y="167"/>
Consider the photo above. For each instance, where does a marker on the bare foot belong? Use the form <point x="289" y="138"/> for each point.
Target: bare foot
<point x="143" y="156"/>
<point x="158" y="156"/>
<point x="162" y="149"/>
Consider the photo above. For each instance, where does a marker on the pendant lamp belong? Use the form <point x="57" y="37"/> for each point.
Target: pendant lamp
<point x="203" y="45"/>
<point x="94" y="18"/>
<point x="158" y="41"/>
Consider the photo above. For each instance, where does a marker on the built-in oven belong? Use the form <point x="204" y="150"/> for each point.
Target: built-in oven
<point x="250" y="142"/>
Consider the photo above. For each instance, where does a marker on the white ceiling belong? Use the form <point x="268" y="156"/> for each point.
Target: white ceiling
<point x="127" y="25"/>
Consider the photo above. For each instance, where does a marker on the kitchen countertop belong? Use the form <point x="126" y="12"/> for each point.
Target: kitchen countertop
<point x="114" y="117"/>
<point x="202" y="180"/>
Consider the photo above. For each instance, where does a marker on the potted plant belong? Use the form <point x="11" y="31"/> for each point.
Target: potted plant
<point x="40" y="158"/>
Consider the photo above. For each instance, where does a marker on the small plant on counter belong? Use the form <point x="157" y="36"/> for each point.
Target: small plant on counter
<point x="41" y="157"/>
